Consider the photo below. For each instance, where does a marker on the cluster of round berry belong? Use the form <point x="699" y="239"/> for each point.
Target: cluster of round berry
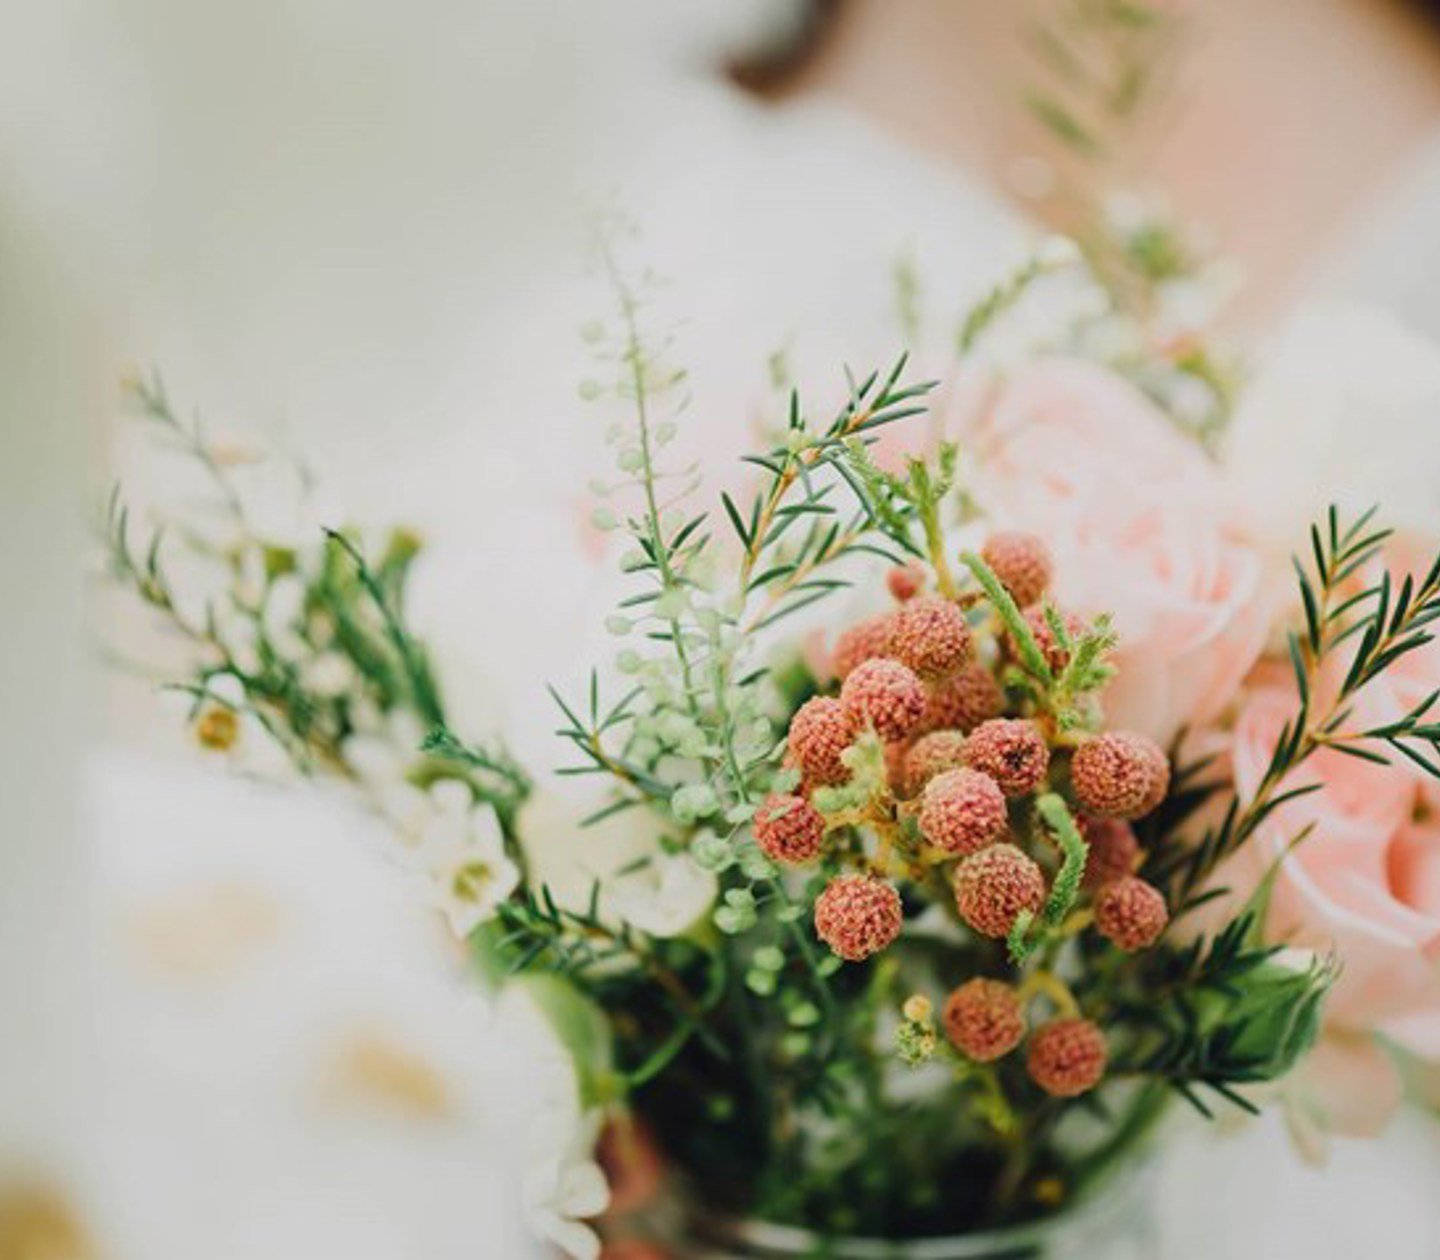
<point x="985" y="1020"/>
<point x="963" y="760"/>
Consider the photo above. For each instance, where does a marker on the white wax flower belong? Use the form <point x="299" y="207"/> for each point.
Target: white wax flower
<point x="462" y="854"/>
<point x="563" y="1185"/>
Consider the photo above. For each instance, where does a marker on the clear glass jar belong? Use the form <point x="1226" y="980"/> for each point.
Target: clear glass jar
<point x="1115" y="1223"/>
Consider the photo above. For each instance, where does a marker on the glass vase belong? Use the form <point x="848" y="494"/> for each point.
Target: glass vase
<point x="1117" y="1222"/>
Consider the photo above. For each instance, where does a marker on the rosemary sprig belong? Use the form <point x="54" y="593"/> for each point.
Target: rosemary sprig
<point x="1339" y="607"/>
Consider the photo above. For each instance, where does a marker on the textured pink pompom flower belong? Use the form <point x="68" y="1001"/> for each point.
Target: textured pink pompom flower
<point x="993" y="886"/>
<point x="789" y="828"/>
<point x="886" y="696"/>
<point x="1067" y="1057"/>
<point x="1114" y="851"/>
<point x="984" y="1019"/>
<point x="857" y="915"/>
<point x="931" y="636"/>
<point x="1011" y="751"/>
<point x="930" y="755"/>
<point x="862" y="642"/>
<point x="820" y="731"/>
<point x="1130" y="913"/>
<point x="905" y="581"/>
<point x="962" y="701"/>
<point x="1022" y="563"/>
<point x="1120" y="774"/>
<point x="962" y="811"/>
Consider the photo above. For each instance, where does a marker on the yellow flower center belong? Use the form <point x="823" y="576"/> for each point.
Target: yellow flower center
<point x="472" y="879"/>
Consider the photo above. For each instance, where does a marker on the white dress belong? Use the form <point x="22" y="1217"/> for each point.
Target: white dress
<point x="418" y="328"/>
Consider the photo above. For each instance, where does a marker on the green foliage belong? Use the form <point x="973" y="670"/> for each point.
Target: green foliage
<point x="1027" y="933"/>
<point x="1008" y="293"/>
<point x="1031" y="657"/>
<point x="309" y="640"/>
<point x="766" y="1065"/>
<point x="1226" y="1013"/>
<point x="1344" y="607"/>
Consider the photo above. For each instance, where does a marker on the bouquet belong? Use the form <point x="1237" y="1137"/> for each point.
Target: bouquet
<point x="956" y="805"/>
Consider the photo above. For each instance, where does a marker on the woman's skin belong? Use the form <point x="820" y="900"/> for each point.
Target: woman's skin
<point x="1279" y="124"/>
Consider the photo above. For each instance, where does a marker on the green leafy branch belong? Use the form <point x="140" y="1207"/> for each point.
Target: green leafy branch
<point x="794" y="465"/>
<point x="1386" y="626"/>
<point x="1027" y="933"/>
<point x="422" y="691"/>
<point x="1086" y="666"/>
<point x="1226" y="1014"/>
<point x="534" y="934"/>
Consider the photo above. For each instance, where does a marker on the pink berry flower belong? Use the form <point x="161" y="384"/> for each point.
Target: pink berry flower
<point x="962" y="701"/>
<point x="789" y="828"/>
<point x="905" y="581"/>
<point x="993" y="886"/>
<point x="931" y="636"/>
<point x="884" y="695"/>
<point x="1120" y="774"/>
<point x="962" y="811"/>
<point x="931" y="755"/>
<point x="1131" y="913"/>
<point x="820" y="731"/>
<point x="1022" y="563"/>
<point x="862" y="642"/>
<point x="1012" y="752"/>
<point x="1114" y="851"/>
<point x="857" y="915"/>
<point x="984" y="1019"/>
<point x="1067" y="1057"/>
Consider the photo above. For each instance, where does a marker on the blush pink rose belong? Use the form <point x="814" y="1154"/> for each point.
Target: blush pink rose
<point x="1363" y="884"/>
<point x="1136" y="516"/>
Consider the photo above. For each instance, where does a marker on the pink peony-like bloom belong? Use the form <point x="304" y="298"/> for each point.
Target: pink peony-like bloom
<point x="962" y="701"/>
<point x="886" y="696"/>
<point x="1136" y="518"/>
<point x="931" y="636"/>
<point x="1011" y="751"/>
<point x="1364" y="883"/>
<point x="857" y="915"/>
<point x="962" y="811"/>
<point x="984" y="1019"/>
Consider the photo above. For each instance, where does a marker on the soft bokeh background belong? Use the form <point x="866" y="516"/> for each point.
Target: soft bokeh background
<point x="355" y="228"/>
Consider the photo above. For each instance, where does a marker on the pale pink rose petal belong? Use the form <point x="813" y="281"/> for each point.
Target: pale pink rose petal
<point x="1338" y="890"/>
<point x="1348" y="1086"/>
<point x="1413" y="867"/>
<point x="1135" y="515"/>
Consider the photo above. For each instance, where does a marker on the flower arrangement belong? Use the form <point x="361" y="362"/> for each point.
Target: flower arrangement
<point x="955" y="811"/>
